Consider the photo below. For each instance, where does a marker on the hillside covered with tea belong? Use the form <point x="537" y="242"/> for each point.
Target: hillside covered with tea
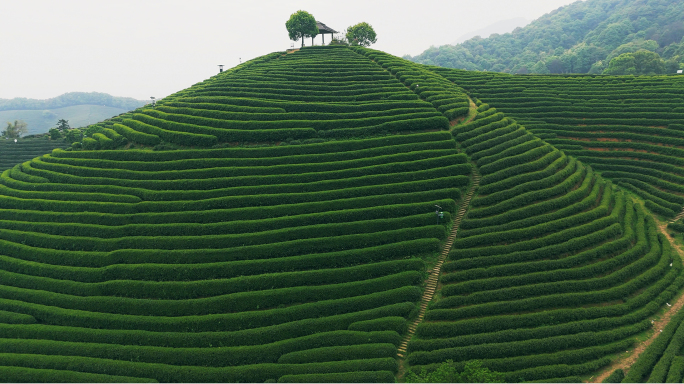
<point x="284" y="229"/>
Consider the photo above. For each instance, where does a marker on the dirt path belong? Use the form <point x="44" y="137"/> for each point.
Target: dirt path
<point x="462" y="119"/>
<point x="658" y="325"/>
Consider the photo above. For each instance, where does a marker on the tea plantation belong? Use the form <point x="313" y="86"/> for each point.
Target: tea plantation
<point x="288" y="239"/>
<point x="631" y="129"/>
<point x="298" y="262"/>
<point x="12" y="153"/>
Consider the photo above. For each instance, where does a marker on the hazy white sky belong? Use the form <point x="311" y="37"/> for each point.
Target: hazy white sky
<point x="143" y="48"/>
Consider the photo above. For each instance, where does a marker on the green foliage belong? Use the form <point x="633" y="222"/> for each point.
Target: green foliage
<point x="586" y="37"/>
<point x="55" y="134"/>
<point x="300" y="25"/>
<point x="63" y="125"/>
<point x="38" y="375"/>
<point x="637" y="63"/>
<point x="473" y="372"/>
<point x="14" y="131"/>
<point x="615" y="377"/>
<point x="346" y="377"/>
<point x="361" y="34"/>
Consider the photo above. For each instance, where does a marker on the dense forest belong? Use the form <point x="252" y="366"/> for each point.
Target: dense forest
<point x="583" y="37"/>
<point x="70" y="99"/>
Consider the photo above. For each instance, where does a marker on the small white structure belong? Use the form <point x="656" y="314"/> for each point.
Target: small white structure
<point x="679" y="71"/>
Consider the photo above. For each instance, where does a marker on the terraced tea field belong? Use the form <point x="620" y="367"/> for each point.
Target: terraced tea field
<point x="630" y="129"/>
<point x="298" y="262"/>
<point x="12" y="153"/>
<point x="289" y="239"/>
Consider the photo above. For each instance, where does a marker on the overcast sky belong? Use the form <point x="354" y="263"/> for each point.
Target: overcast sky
<point x="143" y="48"/>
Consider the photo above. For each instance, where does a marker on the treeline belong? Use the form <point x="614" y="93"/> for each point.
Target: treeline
<point x="69" y="99"/>
<point x="583" y="37"/>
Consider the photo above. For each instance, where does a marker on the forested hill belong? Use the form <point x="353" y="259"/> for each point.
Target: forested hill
<point x="582" y="37"/>
<point x="70" y="99"/>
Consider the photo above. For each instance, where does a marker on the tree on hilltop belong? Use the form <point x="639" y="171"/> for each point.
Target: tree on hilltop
<point x="301" y="24"/>
<point x="361" y="34"/>
<point x="63" y="125"/>
<point x="14" y="131"/>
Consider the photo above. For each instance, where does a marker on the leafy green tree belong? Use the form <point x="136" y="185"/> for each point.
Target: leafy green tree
<point x="361" y="34"/>
<point x="55" y="134"/>
<point x="73" y="135"/>
<point x="673" y="64"/>
<point x="633" y="46"/>
<point x="473" y="372"/>
<point x="622" y="65"/>
<point x="63" y="125"/>
<point x="300" y="25"/>
<point x="540" y="68"/>
<point x="14" y="131"/>
<point x="637" y="63"/>
<point x="613" y="35"/>
<point x="555" y="66"/>
<point x="648" y="63"/>
<point x="598" y="67"/>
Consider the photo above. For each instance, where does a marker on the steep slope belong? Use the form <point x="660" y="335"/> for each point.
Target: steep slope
<point x="304" y="262"/>
<point x="578" y="38"/>
<point x="628" y="128"/>
<point x="293" y="263"/>
<point x="553" y="269"/>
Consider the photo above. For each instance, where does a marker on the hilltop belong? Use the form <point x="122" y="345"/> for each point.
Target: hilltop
<point x="79" y="108"/>
<point x="579" y="38"/>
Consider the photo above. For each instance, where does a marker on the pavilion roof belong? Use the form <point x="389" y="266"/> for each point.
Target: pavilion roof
<point x="322" y="28"/>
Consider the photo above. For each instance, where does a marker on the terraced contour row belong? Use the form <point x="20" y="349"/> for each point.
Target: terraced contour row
<point x="12" y="153"/>
<point x="631" y="129"/>
<point x="291" y="263"/>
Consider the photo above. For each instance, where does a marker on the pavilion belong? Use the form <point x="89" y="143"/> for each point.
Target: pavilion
<point x="322" y="30"/>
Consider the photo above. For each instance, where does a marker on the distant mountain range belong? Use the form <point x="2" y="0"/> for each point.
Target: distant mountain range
<point x="79" y="108"/>
<point x="579" y="38"/>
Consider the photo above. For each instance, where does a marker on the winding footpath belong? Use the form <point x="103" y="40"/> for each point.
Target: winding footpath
<point x="433" y="280"/>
